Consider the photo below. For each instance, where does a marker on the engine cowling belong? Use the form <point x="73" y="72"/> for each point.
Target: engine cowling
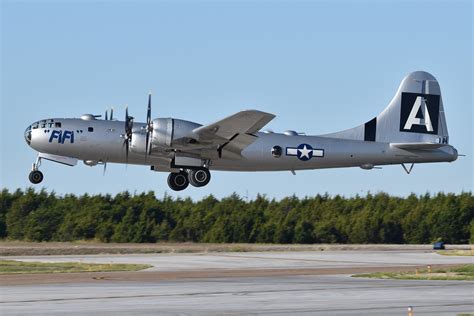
<point x="167" y="133"/>
<point x="138" y="141"/>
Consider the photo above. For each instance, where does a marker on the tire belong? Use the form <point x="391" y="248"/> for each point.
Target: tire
<point x="36" y="176"/>
<point x="199" y="177"/>
<point x="178" y="181"/>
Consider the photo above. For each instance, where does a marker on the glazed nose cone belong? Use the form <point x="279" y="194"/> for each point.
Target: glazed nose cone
<point x="28" y="135"/>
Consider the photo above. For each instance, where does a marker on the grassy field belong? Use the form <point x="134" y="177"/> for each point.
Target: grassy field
<point x="463" y="273"/>
<point x="20" y="267"/>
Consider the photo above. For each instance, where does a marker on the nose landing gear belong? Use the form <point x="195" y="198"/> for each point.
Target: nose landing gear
<point x="195" y="177"/>
<point x="36" y="176"/>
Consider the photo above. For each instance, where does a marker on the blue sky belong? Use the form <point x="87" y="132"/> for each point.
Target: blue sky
<point x="320" y="66"/>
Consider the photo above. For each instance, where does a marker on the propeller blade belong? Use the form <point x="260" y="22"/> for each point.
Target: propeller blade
<point x="106" y="115"/>
<point x="111" y="113"/>
<point x="128" y="132"/>
<point x="148" y="112"/>
<point x="149" y="126"/>
<point x="105" y="168"/>
<point x="147" y="143"/>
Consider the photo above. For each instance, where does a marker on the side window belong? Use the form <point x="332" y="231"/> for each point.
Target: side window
<point x="277" y="151"/>
<point x="57" y="124"/>
<point x="90" y="129"/>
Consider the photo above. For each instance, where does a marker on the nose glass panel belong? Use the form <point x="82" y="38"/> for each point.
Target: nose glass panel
<point x="28" y="135"/>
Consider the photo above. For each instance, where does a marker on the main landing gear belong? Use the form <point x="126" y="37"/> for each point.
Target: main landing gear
<point x="196" y="177"/>
<point x="36" y="176"/>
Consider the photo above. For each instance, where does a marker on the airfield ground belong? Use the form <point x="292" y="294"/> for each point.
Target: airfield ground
<point x="233" y="281"/>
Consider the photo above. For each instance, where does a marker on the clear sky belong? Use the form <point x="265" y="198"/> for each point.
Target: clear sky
<point x="320" y="66"/>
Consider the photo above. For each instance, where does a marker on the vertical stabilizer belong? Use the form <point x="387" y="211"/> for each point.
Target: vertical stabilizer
<point x="415" y="115"/>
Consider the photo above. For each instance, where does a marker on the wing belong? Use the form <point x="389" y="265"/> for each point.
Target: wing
<point x="417" y="146"/>
<point x="244" y="122"/>
<point x="233" y="133"/>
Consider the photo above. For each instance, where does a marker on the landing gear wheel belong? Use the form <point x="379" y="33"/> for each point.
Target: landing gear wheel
<point x="36" y="176"/>
<point x="199" y="177"/>
<point x="178" y="181"/>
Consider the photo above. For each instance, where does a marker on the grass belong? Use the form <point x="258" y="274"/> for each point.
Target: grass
<point x="462" y="273"/>
<point x="21" y="267"/>
<point x="456" y="252"/>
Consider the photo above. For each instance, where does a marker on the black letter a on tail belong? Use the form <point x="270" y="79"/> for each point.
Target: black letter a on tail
<point x="419" y="113"/>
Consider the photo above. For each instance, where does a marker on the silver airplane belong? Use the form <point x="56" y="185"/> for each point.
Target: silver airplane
<point x="412" y="129"/>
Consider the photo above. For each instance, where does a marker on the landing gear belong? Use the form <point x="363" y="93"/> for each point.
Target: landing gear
<point x="36" y="176"/>
<point x="196" y="177"/>
<point x="178" y="181"/>
<point x="199" y="177"/>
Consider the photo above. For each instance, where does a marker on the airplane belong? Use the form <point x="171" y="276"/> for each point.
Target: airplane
<point x="412" y="129"/>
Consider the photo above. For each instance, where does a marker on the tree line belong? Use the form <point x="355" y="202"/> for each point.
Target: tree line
<point x="375" y="218"/>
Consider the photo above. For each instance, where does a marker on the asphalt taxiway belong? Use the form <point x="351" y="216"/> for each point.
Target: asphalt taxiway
<point x="242" y="283"/>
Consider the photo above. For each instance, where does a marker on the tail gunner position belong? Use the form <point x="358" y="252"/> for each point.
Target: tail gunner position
<point x="412" y="129"/>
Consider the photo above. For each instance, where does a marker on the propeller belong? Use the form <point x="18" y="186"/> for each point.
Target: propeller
<point x="128" y="132"/>
<point x="127" y="136"/>
<point x="149" y="126"/>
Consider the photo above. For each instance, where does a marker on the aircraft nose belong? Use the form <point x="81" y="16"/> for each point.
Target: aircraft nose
<point x="28" y="135"/>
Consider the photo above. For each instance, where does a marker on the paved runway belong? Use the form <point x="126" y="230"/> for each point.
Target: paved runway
<point x="257" y="294"/>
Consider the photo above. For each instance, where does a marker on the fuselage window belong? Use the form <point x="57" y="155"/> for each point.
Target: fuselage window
<point x="57" y="124"/>
<point x="90" y="129"/>
<point x="277" y="151"/>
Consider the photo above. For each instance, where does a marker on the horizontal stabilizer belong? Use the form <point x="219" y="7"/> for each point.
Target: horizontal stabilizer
<point x="417" y="146"/>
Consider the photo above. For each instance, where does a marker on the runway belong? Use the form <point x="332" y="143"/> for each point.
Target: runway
<point x="242" y="283"/>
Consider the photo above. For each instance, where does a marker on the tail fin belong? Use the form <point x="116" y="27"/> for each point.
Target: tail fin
<point x="415" y="115"/>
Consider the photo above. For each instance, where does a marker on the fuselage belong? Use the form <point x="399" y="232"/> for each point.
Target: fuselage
<point x="103" y="141"/>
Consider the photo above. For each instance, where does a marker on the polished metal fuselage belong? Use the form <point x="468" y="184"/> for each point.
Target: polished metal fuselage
<point x="105" y="143"/>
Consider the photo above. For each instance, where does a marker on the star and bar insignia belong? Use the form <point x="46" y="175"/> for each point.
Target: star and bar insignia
<point x="304" y="152"/>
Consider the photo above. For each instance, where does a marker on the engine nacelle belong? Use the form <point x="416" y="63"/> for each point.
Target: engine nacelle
<point x="138" y="142"/>
<point x="167" y="133"/>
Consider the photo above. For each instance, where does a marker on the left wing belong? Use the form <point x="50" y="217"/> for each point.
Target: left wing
<point x="234" y="132"/>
